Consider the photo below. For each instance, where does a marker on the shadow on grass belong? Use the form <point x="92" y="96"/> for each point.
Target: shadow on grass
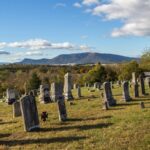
<point x="9" y="122"/>
<point x="79" y="127"/>
<point x="115" y="108"/>
<point x="127" y="104"/>
<point x="4" y="135"/>
<point x="41" y="141"/>
<point x="88" y="119"/>
<point x="141" y="99"/>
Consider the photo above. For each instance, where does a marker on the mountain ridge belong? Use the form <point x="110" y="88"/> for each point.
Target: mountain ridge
<point x="80" y="58"/>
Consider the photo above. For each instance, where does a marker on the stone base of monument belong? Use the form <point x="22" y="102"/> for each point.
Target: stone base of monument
<point x="45" y="100"/>
<point x="68" y="97"/>
<point x="11" y="101"/>
<point x="105" y="106"/>
<point x="127" y="99"/>
<point x="111" y="102"/>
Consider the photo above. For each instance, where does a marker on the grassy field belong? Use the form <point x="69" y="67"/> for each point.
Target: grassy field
<point x="124" y="127"/>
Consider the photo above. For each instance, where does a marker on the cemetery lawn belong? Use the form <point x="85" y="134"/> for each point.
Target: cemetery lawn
<point x="123" y="127"/>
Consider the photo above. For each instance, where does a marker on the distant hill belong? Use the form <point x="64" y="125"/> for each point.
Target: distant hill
<point x="81" y="58"/>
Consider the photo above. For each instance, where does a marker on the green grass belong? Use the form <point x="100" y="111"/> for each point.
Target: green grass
<point x="124" y="127"/>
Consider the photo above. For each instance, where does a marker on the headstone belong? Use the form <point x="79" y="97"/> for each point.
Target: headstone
<point x="16" y="109"/>
<point x="135" y="85"/>
<point x="105" y="106"/>
<point x="141" y="78"/>
<point x="10" y="96"/>
<point x="78" y="92"/>
<point x="29" y="113"/>
<point x="126" y="93"/>
<point x="119" y="83"/>
<point x="136" y="90"/>
<point x="62" y="109"/>
<point x="67" y="87"/>
<point x="56" y="91"/>
<point x="142" y="105"/>
<point x="44" y="94"/>
<point x="108" y="97"/>
<point x="85" y="84"/>
<point x="75" y="86"/>
<point x="134" y="78"/>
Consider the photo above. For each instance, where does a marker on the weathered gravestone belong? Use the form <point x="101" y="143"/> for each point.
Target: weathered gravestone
<point x="97" y="85"/>
<point x="75" y="86"/>
<point x="44" y="94"/>
<point x="56" y="91"/>
<point x="78" y="92"/>
<point x="85" y="85"/>
<point x="148" y="82"/>
<point x="16" y="109"/>
<point x="105" y="106"/>
<point x="10" y="96"/>
<point x="119" y="83"/>
<point x="126" y="93"/>
<point x="108" y="97"/>
<point x="61" y="109"/>
<point x="141" y="79"/>
<point x="67" y="87"/>
<point x="135" y="85"/>
<point x="29" y="113"/>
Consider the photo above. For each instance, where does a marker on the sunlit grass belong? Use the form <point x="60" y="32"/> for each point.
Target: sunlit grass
<point x="125" y="126"/>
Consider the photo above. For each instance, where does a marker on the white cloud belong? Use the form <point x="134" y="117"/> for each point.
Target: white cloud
<point x="39" y="44"/>
<point x="33" y="53"/>
<point x="133" y="14"/>
<point x="2" y="45"/>
<point x="78" y="5"/>
<point x="90" y="2"/>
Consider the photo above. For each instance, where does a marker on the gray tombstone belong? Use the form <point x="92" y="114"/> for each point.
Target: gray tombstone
<point x="56" y="91"/>
<point x="61" y="109"/>
<point x="75" y="86"/>
<point x="85" y="85"/>
<point x="78" y="92"/>
<point x="136" y="90"/>
<point x="126" y="93"/>
<point x="141" y="78"/>
<point x="108" y="97"/>
<point x="44" y="96"/>
<point x="135" y="85"/>
<point x="10" y="96"/>
<point x="105" y="106"/>
<point x="16" y="109"/>
<point x="67" y="87"/>
<point x="29" y="113"/>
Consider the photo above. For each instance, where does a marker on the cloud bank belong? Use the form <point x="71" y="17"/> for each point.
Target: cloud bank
<point x="133" y="14"/>
<point x="39" y="44"/>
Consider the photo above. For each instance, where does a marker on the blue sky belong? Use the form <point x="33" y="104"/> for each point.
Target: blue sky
<point x="46" y="28"/>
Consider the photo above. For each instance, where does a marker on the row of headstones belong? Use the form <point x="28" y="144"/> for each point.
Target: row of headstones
<point x="27" y="108"/>
<point x="108" y="97"/>
<point x="57" y="90"/>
